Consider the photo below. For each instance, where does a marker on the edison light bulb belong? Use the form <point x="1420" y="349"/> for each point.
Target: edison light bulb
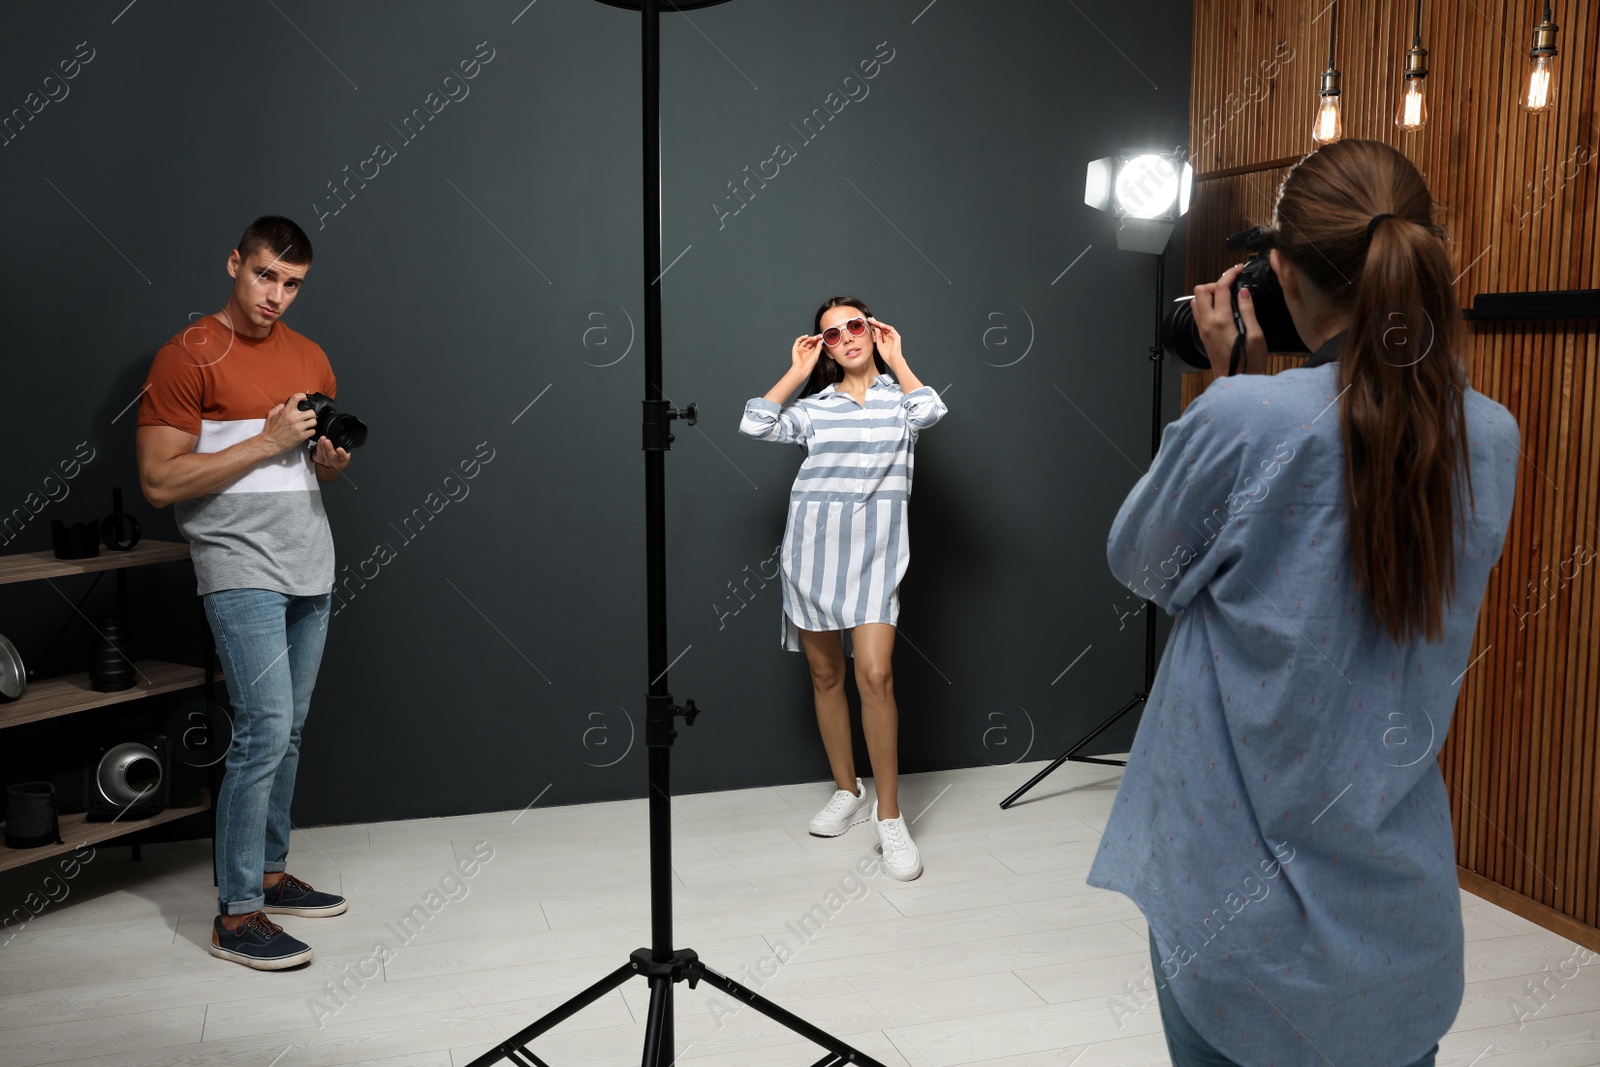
<point x="1541" y="83"/>
<point x="1541" y="92"/>
<point x="1327" y="128"/>
<point x="1413" y="107"/>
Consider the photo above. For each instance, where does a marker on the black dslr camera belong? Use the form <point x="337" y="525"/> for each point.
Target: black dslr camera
<point x="344" y="431"/>
<point x="1181" y="337"/>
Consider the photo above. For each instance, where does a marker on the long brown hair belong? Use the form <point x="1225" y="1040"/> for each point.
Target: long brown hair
<point x="827" y="371"/>
<point x="1401" y="374"/>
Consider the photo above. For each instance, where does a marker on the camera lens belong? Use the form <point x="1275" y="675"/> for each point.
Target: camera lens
<point x="1181" y="337"/>
<point x="345" y="431"/>
<point x="342" y="430"/>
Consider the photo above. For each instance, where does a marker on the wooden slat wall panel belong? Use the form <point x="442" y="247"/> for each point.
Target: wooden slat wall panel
<point x="1521" y="199"/>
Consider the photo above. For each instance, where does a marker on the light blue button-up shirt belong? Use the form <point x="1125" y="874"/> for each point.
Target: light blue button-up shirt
<point x="1282" y="822"/>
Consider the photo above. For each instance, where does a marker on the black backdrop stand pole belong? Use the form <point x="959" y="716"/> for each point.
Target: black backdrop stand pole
<point x="661" y="964"/>
<point x="1142" y="695"/>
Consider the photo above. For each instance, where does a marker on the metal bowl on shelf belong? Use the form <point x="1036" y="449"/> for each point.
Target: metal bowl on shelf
<point x="13" y="678"/>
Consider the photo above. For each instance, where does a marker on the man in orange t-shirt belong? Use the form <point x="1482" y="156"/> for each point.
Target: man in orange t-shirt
<point x="222" y="438"/>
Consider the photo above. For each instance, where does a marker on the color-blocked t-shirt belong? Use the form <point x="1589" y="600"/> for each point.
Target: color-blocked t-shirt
<point x="267" y="529"/>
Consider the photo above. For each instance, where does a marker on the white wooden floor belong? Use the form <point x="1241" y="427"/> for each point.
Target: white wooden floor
<point x="999" y="955"/>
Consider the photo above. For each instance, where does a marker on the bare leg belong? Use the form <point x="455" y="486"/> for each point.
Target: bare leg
<point x="825" y="656"/>
<point x="874" y="649"/>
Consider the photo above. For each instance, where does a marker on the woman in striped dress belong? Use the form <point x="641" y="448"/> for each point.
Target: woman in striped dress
<point x="846" y="546"/>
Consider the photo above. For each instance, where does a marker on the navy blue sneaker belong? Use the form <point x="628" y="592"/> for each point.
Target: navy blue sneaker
<point x="291" y="896"/>
<point x="259" y="943"/>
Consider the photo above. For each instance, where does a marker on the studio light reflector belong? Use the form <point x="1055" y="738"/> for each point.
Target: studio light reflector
<point x="1147" y="187"/>
<point x="1146" y="192"/>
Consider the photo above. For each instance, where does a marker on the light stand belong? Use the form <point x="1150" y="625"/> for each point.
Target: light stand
<point x="661" y="964"/>
<point x="1147" y="192"/>
<point x="1149" y="608"/>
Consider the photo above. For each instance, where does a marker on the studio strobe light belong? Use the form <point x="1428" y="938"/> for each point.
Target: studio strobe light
<point x="1147" y="193"/>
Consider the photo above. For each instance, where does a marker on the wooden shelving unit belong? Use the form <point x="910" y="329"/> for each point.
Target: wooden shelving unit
<point x="77" y="831"/>
<point x="31" y="566"/>
<point x="70" y="693"/>
<point x="48" y="698"/>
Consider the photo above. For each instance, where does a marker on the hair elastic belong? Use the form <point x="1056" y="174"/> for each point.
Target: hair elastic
<point x="1373" y="225"/>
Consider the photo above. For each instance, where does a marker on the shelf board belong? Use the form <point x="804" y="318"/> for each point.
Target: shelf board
<point x="1548" y="306"/>
<point x="77" y="831"/>
<point x="66" y="694"/>
<point x="31" y="566"/>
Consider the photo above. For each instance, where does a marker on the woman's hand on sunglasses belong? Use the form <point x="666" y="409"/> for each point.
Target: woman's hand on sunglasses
<point x="888" y="339"/>
<point x="807" y="347"/>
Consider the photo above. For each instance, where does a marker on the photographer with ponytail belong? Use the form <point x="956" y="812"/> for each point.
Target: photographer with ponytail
<point x="846" y="545"/>
<point x="1324" y="536"/>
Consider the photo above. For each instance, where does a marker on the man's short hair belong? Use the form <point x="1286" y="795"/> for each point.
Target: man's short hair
<point x="280" y="237"/>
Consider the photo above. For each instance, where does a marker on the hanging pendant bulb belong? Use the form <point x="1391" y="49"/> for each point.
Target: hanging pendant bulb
<point x="1413" y="107"/>
<point x="1540" y="94"/>
<point x="1328" y="126"/>
<point x="1413" y="113"/>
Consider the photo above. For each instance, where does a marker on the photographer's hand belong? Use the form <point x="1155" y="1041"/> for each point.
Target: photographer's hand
<point x="287" y="426"/>
<point x="1213" y="317"/>
<point x="332" y="460"/>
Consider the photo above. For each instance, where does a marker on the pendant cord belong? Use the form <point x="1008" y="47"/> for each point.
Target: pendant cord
<point x="1333" y="33"/>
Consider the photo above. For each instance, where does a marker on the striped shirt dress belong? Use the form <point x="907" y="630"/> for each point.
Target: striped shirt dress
<point x="845" y="544"/>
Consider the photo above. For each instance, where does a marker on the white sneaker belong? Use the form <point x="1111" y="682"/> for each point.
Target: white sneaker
<point x="900" y="856"/>
<point x="845" y="810"/>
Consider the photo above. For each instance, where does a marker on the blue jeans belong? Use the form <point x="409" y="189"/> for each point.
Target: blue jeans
<point x="1186" y="1047"/>
<point x="270" y="645"/>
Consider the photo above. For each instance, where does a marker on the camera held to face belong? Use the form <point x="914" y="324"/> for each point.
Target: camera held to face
<point x="1180" y="335"/>
<point x="342" y="430"/>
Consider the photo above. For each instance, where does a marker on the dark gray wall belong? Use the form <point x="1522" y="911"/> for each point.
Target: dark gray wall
<point x="496" y="259"/>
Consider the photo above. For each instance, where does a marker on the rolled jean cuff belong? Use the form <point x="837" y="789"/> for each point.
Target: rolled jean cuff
<point x="270" y="867"/>
<point x="243" y="907"/>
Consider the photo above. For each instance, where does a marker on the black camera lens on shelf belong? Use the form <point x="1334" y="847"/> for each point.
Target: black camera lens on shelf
<point x="1180" y="335"/>
<point x="343" y="430"/>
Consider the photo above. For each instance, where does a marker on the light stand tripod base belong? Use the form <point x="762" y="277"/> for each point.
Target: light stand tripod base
<point x="684" y="966"/>
<point x="1143" y="696"/>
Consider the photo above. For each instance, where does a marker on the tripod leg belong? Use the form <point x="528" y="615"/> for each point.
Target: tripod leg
<point x="839" y="1052"/>
<point x="513" y="1046"/>
<point x="1138" y="698"/>
<point x="658" y="1051"/>
<point x="669" y="1042"/>
<point x="1035" y="780"/>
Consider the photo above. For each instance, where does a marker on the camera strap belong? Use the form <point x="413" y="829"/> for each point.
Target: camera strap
<point x="1239" y="343"/>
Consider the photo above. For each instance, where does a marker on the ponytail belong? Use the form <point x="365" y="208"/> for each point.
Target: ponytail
<point x="1401" y="374"/>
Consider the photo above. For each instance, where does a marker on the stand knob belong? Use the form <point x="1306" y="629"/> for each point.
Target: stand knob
<point x="688" y="711"/>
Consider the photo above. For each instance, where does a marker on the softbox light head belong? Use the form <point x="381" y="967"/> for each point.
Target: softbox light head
<point x="1146" y="192"/>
